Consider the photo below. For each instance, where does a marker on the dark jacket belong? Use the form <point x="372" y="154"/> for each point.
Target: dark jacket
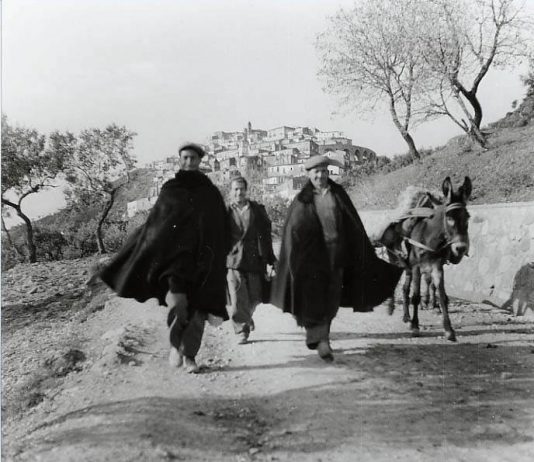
<point x="303" y="273"/>
<point x="183" y="243"/>
<point x="251" y="249"/>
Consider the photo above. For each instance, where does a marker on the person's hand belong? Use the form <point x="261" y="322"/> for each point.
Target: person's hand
<point x="214" y="321"/>
<point x="178" y="302"/>
<point x="271" y="270"/>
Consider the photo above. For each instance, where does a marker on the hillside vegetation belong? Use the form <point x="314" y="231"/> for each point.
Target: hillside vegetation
<point x="502" y="173"/>
<point x="142" y="179"/>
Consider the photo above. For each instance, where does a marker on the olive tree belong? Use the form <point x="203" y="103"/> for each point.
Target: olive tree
<point x="369" y="55"/>
<point x="28" y="167"/>
<point x="99" y="166"/>
<point x="463" y="40"/>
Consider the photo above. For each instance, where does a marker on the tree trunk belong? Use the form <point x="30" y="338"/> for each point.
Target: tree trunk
<point x="105" y="212"/>
<point x="411" y="145"/>
<point x="404" y="133"/>
<point x="100" y="241"/>
<point x="477" y="108"/>
<point x="32" y="251"/>
<point x="477" y="136"/>
<point x="475" y="120"/>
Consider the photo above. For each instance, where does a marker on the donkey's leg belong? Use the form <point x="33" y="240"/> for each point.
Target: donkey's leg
<point x="406" y="294"/>
<point x="434" y="302"/>
<point x="427" y="281"/>
<point x="391" y="300"/>
<point x="438" y="278"/>
<point x="391" y="304"/>
<point x="416" y="299"/>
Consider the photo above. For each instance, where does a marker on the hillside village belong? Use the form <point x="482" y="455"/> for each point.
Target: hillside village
<point x="275" y="156"/>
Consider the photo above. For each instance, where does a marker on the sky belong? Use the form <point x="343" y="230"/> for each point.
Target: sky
<point x="175" y="71"/>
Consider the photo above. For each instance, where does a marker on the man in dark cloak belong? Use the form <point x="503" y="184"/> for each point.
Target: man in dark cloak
<point x="179" y="257"/>
<point x="326" y="259"/>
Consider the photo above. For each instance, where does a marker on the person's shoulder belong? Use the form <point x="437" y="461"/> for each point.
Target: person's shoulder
<point x="257" y="208"/>
<point x="171" y="188"/>
<point x="334" y="186"/>
<point x="256" y="205"/>
<point x="339" y="190"/>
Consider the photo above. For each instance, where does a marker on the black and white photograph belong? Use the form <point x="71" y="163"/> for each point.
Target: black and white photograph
<point x="267" y="230"/>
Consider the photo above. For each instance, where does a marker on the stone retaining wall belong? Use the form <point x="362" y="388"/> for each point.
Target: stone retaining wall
<point x="500" y="266"/>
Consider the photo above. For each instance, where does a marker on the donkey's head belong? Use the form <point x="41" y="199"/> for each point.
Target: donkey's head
<point x="456" y="218"/>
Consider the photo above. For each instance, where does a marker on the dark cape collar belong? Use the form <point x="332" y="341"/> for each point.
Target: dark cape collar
<point x="306" y="193"/>
<point x="191" y="179"/>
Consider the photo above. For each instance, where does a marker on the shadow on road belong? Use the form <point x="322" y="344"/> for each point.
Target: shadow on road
<point x="402" y="395"/>
<point x="461" y="332"/>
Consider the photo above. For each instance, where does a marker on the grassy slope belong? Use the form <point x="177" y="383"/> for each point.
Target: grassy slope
<point x="503" y="173"/>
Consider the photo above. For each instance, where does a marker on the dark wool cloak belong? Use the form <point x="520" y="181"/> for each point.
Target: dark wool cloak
<point x="183" y="243"/>
<point x="303" y="273"/>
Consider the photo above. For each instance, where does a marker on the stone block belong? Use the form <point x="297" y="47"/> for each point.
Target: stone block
<point x="525" y="244"/>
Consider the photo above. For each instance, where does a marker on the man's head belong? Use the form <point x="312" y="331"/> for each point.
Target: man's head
<point x="238" y="190"/>
<point x="319" y="176"/>
<point x="317" y="168"/>
<point x="190" y="156"/>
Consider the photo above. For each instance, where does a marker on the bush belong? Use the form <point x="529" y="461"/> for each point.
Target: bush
<point x="82" y="241"/>
<point x="114" y="235"/>
<point x="50" y="244"/>
<point x="10" y="257"/>
<point x="277" y="208"/>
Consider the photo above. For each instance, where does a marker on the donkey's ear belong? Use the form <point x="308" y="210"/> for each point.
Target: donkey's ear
<point x="446" y="187"/>
<point x="465" y="189"/>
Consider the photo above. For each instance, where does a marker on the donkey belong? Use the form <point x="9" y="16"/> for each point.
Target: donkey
<point x="430" y="242"/>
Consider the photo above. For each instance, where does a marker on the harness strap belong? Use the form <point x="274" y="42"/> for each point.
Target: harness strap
<point x="454" y="206"/>
<point x="420" y="245"/>
<point x="417" y="212"/>
<point x="451" y="206"/>
<point x="402" y="258"/>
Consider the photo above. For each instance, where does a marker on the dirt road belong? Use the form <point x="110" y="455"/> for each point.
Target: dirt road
<point x="387" y="396"/>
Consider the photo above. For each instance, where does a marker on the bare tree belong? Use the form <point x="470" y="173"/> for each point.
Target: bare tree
<point x="100" y="161"/>
<point x="370" y="55"/>
<point x="28" y="167"/>
<point x="463" y="40"/>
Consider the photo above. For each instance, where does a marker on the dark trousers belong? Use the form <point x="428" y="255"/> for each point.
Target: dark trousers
<point x="318" y="332"/>
<point x="186" y="331"/>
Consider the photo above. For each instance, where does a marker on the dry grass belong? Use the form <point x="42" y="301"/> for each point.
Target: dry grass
<point x="503" y="173"/>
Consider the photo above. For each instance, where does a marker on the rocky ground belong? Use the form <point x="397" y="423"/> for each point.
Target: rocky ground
<point x="85" y="378"/>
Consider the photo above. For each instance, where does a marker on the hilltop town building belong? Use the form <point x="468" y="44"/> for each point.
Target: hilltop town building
<point x="277" y="155"/>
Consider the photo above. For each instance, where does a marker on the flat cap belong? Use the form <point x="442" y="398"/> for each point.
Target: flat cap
<point x="193" y="147"/>
<point x="315" y="161"/>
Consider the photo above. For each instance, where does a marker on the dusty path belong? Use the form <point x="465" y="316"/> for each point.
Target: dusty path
<point x="386" y="397"/>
